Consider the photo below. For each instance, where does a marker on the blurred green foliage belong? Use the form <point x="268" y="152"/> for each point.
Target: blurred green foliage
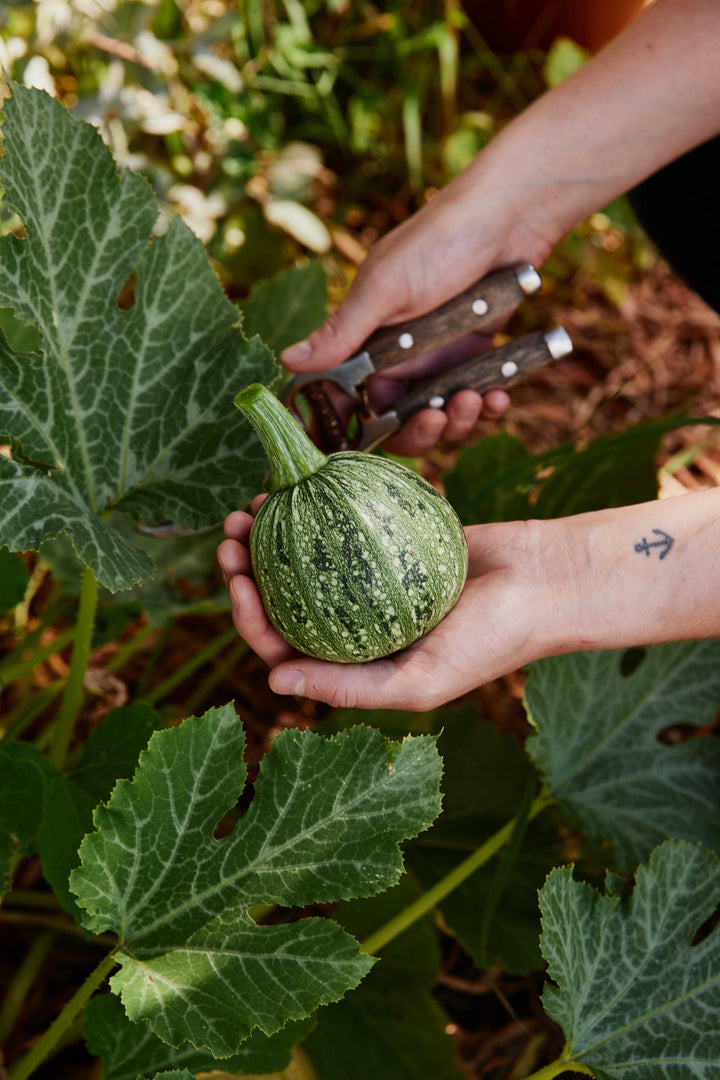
<point x="288" y="128"/>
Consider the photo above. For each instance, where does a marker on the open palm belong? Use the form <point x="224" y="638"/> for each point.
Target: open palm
<point x="490" y="631"/>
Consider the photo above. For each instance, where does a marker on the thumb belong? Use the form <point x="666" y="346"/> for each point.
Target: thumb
<point x="373" y="685"/>
<point x="338" y="338"/>
<point x="364" y="309"/>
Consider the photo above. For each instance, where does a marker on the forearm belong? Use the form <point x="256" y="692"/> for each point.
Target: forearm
<point x="636" y="575"/>
<point x="650" y="95"/>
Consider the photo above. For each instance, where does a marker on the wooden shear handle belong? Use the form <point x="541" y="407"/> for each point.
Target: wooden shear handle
<point x="491" y="370"/>
<point x="484" y="303"/>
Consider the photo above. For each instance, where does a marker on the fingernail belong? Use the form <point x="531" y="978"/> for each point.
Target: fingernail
<point x="296" y="353"/>
<point x="287" y="681"/>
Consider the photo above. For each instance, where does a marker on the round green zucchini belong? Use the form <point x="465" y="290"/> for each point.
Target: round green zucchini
<point x="354" y="555"/>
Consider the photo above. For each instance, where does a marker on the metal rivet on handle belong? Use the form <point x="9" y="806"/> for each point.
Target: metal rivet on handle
<point x="509" y="369"/>
<point x="406" y="341"/>
<point x="480" y="307"/>
<point x="436" y="402"/>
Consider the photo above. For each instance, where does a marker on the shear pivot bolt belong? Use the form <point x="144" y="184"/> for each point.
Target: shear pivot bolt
<point x="406" y="341"/>
<point x="480" y="307"/>
<point x="509" y="369"/>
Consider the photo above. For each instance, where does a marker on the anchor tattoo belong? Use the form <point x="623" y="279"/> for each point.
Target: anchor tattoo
<point x="665" y="542"/>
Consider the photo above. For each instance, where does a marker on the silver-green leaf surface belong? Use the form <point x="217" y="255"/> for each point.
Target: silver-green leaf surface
<point x="324" y="824"/>
<point x="128" y="407"/>
<point x="637" y="989"/>
<point x="599" y="716"/>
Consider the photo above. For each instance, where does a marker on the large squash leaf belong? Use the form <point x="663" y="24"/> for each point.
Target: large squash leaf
<point x="599" y="715"/>
<point x="499" y="480"/>
<point x="324" y="825"/>
<point x="128" y="409"/>
<point x="637" y="974"/>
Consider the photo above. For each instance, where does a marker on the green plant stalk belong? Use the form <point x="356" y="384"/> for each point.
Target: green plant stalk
<point x="504" y="867"/>
<point x="430" y="899"/>
<point x="185" y="670"/>
<point x="152" y="662"/>
<point x="557" y="1068"/>
<point x="21" y="983"/>
<point x="292" y="456"/>
<point x="43" y="1047"/>
<point x="72" y="697"/>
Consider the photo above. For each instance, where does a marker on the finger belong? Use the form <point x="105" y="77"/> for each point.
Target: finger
<point x="340" y="336"/>
<point x="234" y="558"/>
<point x="252" y="624"/>
<point x="419" y="434"/>
<point x="380" y="684"/>
<point x="463" y="410"/>
<point x="495" y="404"/>
<point x="381" y="294"/>
<point x="257" y="502"/>
<point x="237" y="526"/>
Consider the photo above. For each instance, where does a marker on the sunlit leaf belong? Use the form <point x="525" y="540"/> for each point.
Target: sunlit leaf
<point x="324" y="824"/>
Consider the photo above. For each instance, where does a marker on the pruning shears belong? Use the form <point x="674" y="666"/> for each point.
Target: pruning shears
<point x="317" y="398"/>
<point x="313" y="396"/>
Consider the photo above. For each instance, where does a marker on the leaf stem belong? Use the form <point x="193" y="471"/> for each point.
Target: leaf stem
<point x="22" y="716"/>
<point x="430" y="899"/>
<point x="43" y="1047"/>
<point x="72" y="697"/>
<point x="233" y="657"/>
<point x="556" y="1068"/>
<point x="132" y="645"/>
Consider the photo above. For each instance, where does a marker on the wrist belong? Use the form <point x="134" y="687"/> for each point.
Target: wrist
<point x="635" y="575"/>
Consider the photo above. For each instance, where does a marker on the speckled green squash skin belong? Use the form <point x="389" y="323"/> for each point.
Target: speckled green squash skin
<point x="358" y="560"/>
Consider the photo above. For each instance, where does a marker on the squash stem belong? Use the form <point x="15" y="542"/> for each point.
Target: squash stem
<point x="293" y="457"/>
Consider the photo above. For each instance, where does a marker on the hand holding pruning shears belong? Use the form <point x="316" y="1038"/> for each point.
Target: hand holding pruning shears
<point x="344" y="414"/>
<point x="427" y="265"/>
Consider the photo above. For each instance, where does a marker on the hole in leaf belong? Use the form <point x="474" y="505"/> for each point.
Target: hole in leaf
<point x="20" y="336"/>
<point x="707" y="927"/>
<point x="226" y="825"/>
<point x="126" y="296"/>
<point x="675" y="734"/>
<point x="631" y="660"/>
